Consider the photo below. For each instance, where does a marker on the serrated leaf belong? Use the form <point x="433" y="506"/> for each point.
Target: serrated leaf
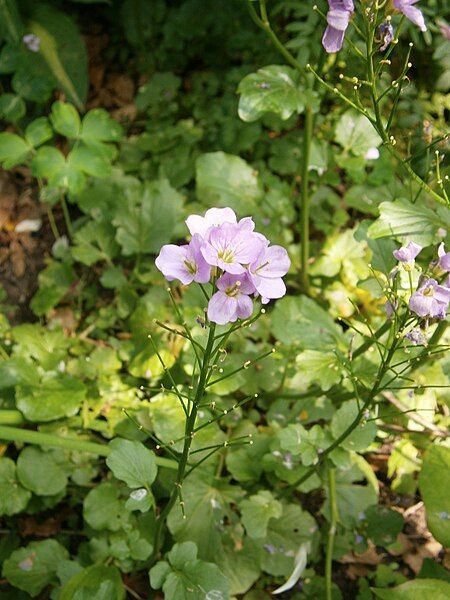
<point x="272" y="89"/>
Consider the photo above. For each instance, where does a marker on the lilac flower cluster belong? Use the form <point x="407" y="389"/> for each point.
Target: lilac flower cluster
<point x="239" y="261"/>
<point x="339" y="15"/>
<point x="431" y="299"/>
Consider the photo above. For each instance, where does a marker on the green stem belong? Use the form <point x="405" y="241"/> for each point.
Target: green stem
<point x="53" y="226"/>
<point x="11" y="417"/>
<point x="26" y="436"/>
<point x="305" y="199"/>
<point x="188" y="436"/>
<point x="66" y="214"/>
<point x="334" y="518"/>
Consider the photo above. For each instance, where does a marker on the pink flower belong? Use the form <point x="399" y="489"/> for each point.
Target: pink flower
<point x="338" y="18"/>
<point x="407" y="254"/>
<point x="411" y="12"/>
<point x="267" y="270"/>
<point x="231" y="246"/>
<point x="444" y="258"/>
<point x="430" y="299"/>
<point x="185" y="263"/>
<point x="213" y="218"/>
<point x="232" y="301"/>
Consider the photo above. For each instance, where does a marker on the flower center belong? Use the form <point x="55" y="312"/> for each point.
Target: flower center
<point x="191" y="266"/>
<point x="429" y="291"/>
<point x="261" y="266"/>
<point x="226" y="255"/>
<point x="233" y="290"/>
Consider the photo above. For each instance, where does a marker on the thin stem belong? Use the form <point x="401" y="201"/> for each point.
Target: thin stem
<point x="53" y="226"/>
<point x="188" y="436"/>
<point x="26" y="436"/>
<point x="305" y="199"/>
<point x="66" y="214"/>
<point x="334" y="518"/>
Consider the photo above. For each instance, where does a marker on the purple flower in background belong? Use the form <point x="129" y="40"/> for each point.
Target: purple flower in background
<point x="407" y="254"/>
<point x="231" y="246"/>
<point x="267" y="270"/>
<point x="213" y="218"/>
<point x="430" y="299"/>
<point x="387" y="34"/>
<point x="232" y="301"/>
<point x="390" y="308"/>
<point x="185" y="263"/>
<point x="338" y="18"/>
<point x="411" y="12"/>
<point x="416" y="337"/>
<point x="445" y="29"/>
<point x="444" y="258"/>
<point x="32" y="42"/>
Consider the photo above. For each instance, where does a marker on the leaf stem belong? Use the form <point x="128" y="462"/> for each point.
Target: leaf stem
<point x="334" y="518"/>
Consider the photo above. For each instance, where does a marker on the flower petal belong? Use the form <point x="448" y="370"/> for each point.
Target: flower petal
<point x="222" y="309"/>
<point x="170" y="262"/>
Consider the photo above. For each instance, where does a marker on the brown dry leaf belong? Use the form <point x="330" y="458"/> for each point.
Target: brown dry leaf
<point x="128" y="112"/>
<point x="122" y="88"/>
<point x="29" y="526"/>
<point x="17" y="256"/>
<point x="415" y="558"/>
<point x="66" y="317"/>
<point x="369" y="557"/>
<point x="356" y="571"/>
<point x="401" y="546"/>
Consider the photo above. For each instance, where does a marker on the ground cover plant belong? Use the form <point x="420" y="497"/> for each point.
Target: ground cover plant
<point x="225" y="269"/>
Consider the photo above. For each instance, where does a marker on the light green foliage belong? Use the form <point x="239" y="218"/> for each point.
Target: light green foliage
<point x="132" y="462"/>
<point x="434" y="481"/>
<point x="355" y="134"/>
<point x="420" y="589"/>
<point x="13" y="497"/>
<point x="40" y="472"/>
<point x="185" y="577"/>
<point x="98" y="582"/>
<point x="272" y="89"/>
<point x="257" y="511"/>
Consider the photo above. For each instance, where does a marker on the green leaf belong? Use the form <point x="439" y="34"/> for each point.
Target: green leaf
<point x="383" y="525"/>
<point x="95" y="242"/>
<point x="97" y="582"/>
<point x="354" y="132"/>
<point x="13" y="497"/>
<point x="301" y="321"/>
<point x="63" y="50"/>
<point x="56" y="396"/>
<point x="257" y="511"/>
<point x="434" y="483"/>
<point x="47" y="162"/>
<point x="102" y="508"/>
<point x="47" y="346"/>
<point x="132" y="462"/>
<point x="272" y="89"/>
<point x="227" y="180"/>
<point x="12" y="107"/>
<point x="147" y="220"/>
<point x="65" y="119"/>
<point x="419" y="589"/>
<point x="34" y="567"/>
<point x="30" y="83"/>
<point x="89" y="160"/>
<point x="414" y="221"/>
<point x="185" y="577"/>
<point x="361" y="437"/>
<point x="98" y="126"/>
<point x="54" y="282"/>
<point x="11" y="26"/>
<point x="284" y="537"/>
<point x="38" y="132"/>
<point x="321" y="368"/>
<point x="13" y="149"/>
<point x="39" y="472"/>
